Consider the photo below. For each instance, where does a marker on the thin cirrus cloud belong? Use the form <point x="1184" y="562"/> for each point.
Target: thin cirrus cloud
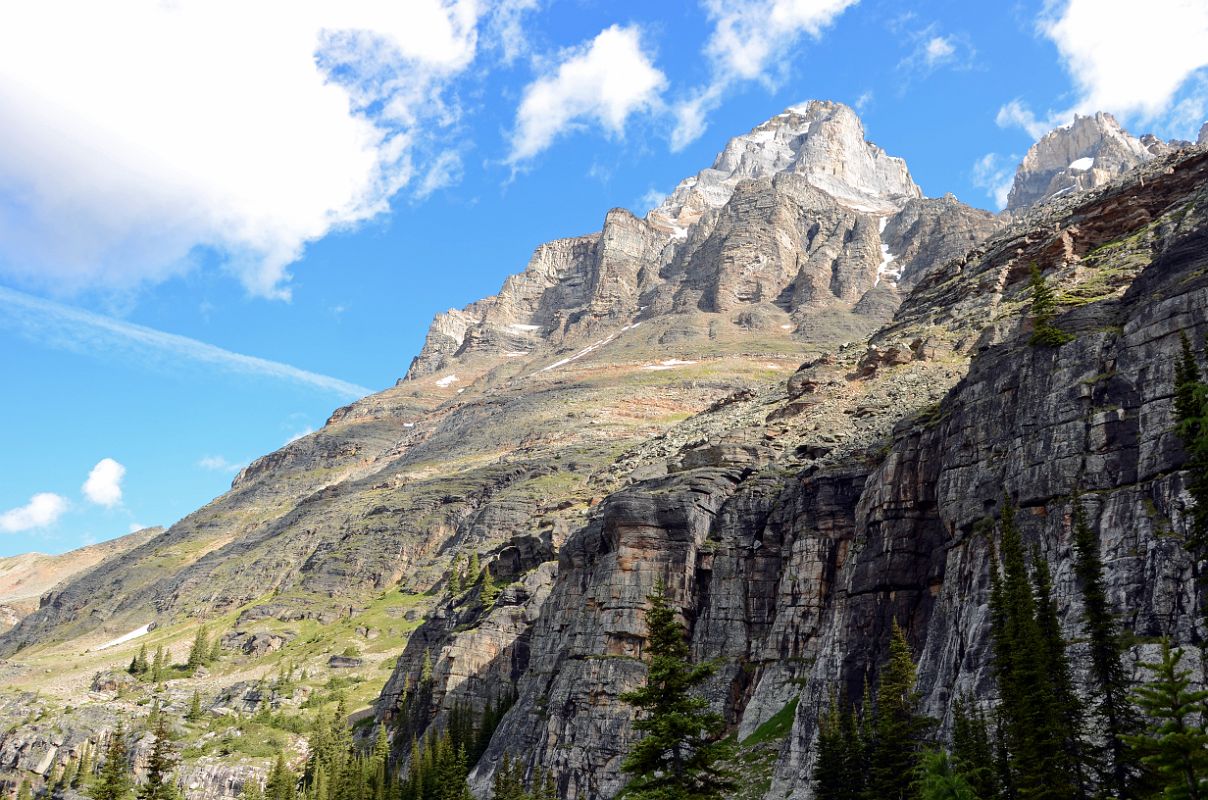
<point x="1134" y="65"/>
<point x="604" y="81"/>
<point x="52" y="324"/>
<point x="752" y="40"/>
<point x="42" y="511"/>
<point x="139" y="135"/>
<point x="104" y="483"/>
<point x="219" y="464"/>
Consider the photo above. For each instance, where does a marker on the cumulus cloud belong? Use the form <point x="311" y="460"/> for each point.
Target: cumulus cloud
<point x="603" y="82"/>
<point x="996" y="176"/>
<point x="1131" y="64"/>
<point x="104" y="484"/>
<point x="63" y="327"/>
<point x="42" y="510"/>
<point x="752" y="40"/>
<point x="139" y="135"/>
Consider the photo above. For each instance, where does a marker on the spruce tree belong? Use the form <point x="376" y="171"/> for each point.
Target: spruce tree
<point x="114" y="780"/>
<point x="680" y="753"/>
<point x="973" y="751"/>
<point x="1112" y="709"/>
<point x="1044" y="308"/>
<point x="455" y="576"/>
<point x="489" y="591"/>
<point x="830" y="760"/>
<point x="159" y="665"/>
<point x="215" y="654"/>
<point x="1191" y="416"/>
<point x="508" y="783"/>
<point x="379" y="766"/>
<point x="159" y="785"/>
<point x="1034" y="722"/>
<point x="25" y="791"/>
<point x="139" y="665"/>
<point x="898" y="730"/>
<point x="85" y="767"/>
<point x="1174" y="745"/>
<point x="939" y="779"/>
<point x="199" y="653"/>
<point x="195" y="713"/>
<point x="282" y="784"/>
<point x="425" y="670"/>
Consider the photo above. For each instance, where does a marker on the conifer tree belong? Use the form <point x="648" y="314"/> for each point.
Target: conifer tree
<point x="114" y="780"/>
<point x="1044" y="308"/>
<point x="1114" y="713"/>
<point x="67" y="777"/>
<point x="898" y="730"/>
<point x="508" y="783"/>
<point x="379" y="767"/>
<point x="681" y="750"/>
<point x="489" y="592"/>
<point x="939" y="779"/>
<point x="1174" y="745"/>
<point x="1034" y="722"/>
<point x="475" y="568"/>
<point x="159" y="665"/>
<point x="25" y="791"/>
<point x="1191" y="415"/>
<point x="199" y="653"/>
<point x="972" y="750"/>
<point x="425" y="670"/>
<point x="138" y="665"/>
<point x="159" y="785"/>
<point x="830" y="760"/>
<point x="215" y="654"/>
<point x="455" y="576"/>
<point x="282" y="784"/>
<point x="194" y="713"/>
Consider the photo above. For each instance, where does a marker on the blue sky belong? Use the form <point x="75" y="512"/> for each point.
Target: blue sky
<point x="219" y="221"/>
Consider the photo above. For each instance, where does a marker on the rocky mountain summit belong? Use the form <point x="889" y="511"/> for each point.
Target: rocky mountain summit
<point x="792" y="394"/>
<point x="1087" y="153"/>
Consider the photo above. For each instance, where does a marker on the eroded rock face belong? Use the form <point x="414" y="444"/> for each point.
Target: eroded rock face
<point x="1087" y="153"/>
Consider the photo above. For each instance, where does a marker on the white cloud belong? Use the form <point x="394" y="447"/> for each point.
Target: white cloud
<point x="507" y="28"/>
<point x="104" y="484"/>
<point x="63" y="327"/>
<point x="604" y="81"/>
<point x="863" y="101"/>
<point x="996" y="176"/>
<point x="219" y="464"/>
<point x="1017" y="114"/>
<point x="136" y="132"/>
<point x="42" y="510"/>
<point x="652" y="198"/>
<point x="937" y="50"/>
<point x="135" y="527"/>
<point x="307" y="431"/>
<point x="752" y="40"/>
<point x="1123" y="60"/>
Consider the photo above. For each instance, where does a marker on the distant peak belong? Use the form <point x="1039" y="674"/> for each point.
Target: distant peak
<point x="821" y="140"/>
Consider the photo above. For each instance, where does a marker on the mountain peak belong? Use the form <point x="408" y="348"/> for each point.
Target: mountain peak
<point x="1088" y="152"/>
<point x="823" y="141"/>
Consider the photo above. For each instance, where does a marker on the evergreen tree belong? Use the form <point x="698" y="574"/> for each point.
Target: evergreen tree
<point x="425" y="670"/>
<point x="508" y="783"/>
<point x="138" y="665"/>
<point x="1191" y="415"/>
<point x="1044" y="308"/>
<point x="159" y="665"/>
<point x="680" y="753"/>
<point x="1068" y="706"/>
<point x="972" y="750"/>
<point x="939" y="779"/>
<point x="199" y="653"/>
<point x="489" y="592"/>
<point x="1034" y="722"/>
<point x="25" y="791"/>
<point x="215" y="654"/>
<point x="68" y="776"/>
<point x="114" y="781"/>
<point x="1113" y="711"/>
<point x="1173" y="745"/>
<point x="898" y="730"/>
<point x="379" y="767"/>
<point x="194" y="713"/>
<point x="159" y="785"/>
<point x="830" y="760"/>
<point x="282" y="784"/>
